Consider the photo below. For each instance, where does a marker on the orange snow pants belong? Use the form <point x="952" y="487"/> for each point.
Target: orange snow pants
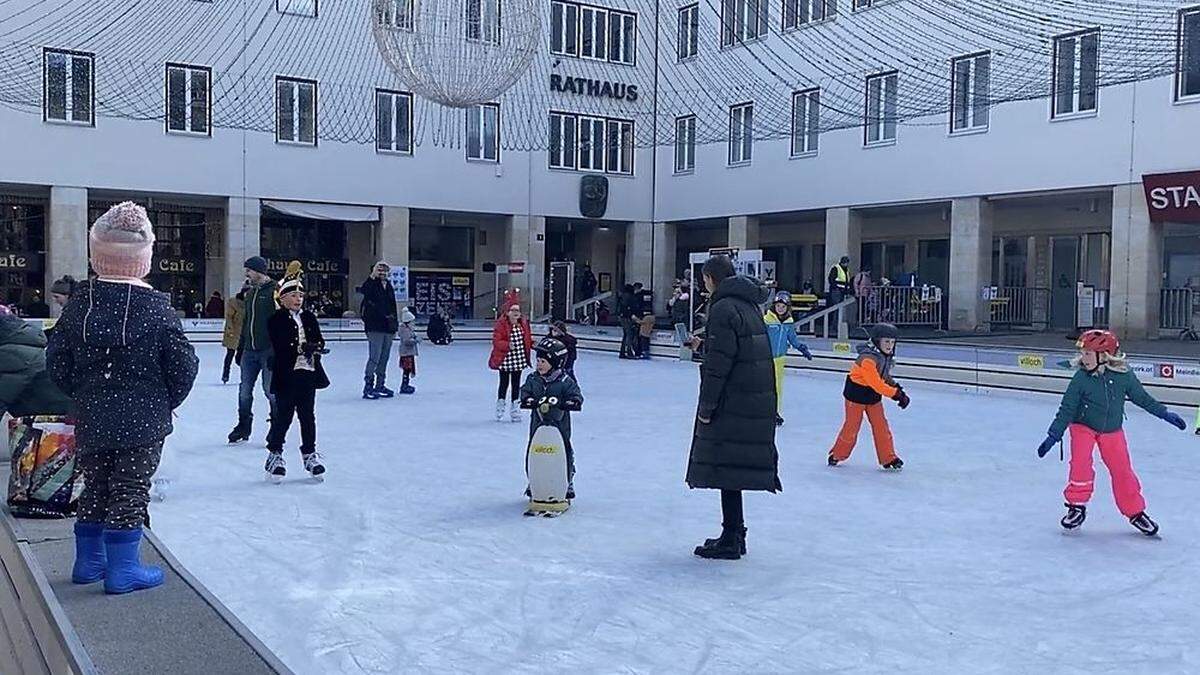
<point x="885" y="448"/>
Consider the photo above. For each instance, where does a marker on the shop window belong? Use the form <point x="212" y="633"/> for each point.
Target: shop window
<point x="483" y="21"/>
<point x="742" y="21"/>
<point x="1187" y="71"/>
<point x="1076" y="74"/>
<point x="483" y="132"/>
<point x="296" y="111"/>
<point x="688" y="40"/>
<point x="685" y="144"/>
<point x="393" y="121"/>
<point x="880" y="119"/>
<point x="23" y="247"/>
<point x="969" y="102"/>
<point x="798" y="13"/>
<point x="68" y="87"/>
<point x="442" y="247"/>
<point x="189" y="99"/>
<point x="741" y="133"/>
<point x="297" y="7"/>
<point x="806" y="122"/>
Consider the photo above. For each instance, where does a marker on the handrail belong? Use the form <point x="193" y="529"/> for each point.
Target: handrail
<point x="823" y="315"/>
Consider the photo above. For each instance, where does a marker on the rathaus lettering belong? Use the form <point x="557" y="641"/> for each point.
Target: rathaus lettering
<point x="590" y="87"/>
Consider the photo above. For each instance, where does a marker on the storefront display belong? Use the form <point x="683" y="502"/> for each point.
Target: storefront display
<point x="320" y="246"/>
<point x="22" y="254"/>
<point x="433" y="291"/>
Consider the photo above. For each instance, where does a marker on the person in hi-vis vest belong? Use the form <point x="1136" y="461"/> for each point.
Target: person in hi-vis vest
<point x="839" y="281"/>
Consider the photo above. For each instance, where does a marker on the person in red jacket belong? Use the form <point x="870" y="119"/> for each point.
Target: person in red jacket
<point x="512" y="340"/>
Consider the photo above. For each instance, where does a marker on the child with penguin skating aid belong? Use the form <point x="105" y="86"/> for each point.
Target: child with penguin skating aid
<point x="552" y="394"/>
<point x="869" y="380"/>
<point x="1093" y="409"/>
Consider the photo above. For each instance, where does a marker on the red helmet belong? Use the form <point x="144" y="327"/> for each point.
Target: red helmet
<point x="1099" y="341"/>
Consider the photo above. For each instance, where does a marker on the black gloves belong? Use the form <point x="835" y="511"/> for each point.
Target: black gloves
<point x="1044" y="448"/>
<point x="901" y="398"/>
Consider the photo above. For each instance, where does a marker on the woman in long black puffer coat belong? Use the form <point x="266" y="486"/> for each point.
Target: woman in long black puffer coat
<point x="733" y="448"/>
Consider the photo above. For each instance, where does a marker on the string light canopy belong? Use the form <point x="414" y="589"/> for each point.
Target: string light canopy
<point x="459" y="53"/>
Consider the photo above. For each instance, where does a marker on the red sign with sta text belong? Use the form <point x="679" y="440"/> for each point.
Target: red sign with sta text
<point x="1173" y="197"/>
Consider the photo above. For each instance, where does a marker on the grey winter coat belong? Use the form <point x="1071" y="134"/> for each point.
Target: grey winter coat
<point x="120" y="353"/>
<point x="25" y="387"/>
<point x="407" y="340"/>
<point x="735" y="449"/>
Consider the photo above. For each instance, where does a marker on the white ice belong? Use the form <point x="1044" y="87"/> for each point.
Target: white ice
<point x="414" y="556"/>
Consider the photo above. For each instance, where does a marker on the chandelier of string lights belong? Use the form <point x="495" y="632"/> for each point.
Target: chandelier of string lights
<point x="459" y="53"/>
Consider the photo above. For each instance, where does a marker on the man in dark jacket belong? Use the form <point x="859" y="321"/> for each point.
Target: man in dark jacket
<point x="120" y="353"/>
<point x="25" y="386"/>
<point x="379" y="314"/>
<point x="255" y="345"/>
<point x="733" y="448"/>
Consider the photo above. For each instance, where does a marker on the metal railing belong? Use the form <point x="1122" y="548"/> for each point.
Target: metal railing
<point x="808" y="324"/>
<point x="1019" y="306"/>
<point x="1177" y="309"/>
<point x="901" y="305"/>
<point x="585" y="312"/>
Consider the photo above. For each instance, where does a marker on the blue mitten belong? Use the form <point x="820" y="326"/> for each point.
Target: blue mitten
<point x="1044" y="448"/>
<point x="1175" y="420"/>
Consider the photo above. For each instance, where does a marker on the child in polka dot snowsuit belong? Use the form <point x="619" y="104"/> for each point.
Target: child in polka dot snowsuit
<point x="120" y="353"/>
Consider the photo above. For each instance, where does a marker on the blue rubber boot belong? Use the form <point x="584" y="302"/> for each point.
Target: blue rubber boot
<point x="125" y="571"/>
<point x="90" y="560"/>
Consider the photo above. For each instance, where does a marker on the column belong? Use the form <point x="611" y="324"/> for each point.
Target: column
<point x="970" y="263"/>
<point x="360" y="249"/>
<point x="663" y="271"/>
<point x="243" y="239"/>
<point x="1137" y="261"/>
<point x="392" y="236"/>
<point x="527" y="243"/>
<point x="843" y="236"/>
<point x="743" y="232"/>
<point x="66" y="237"/>
<point x="639" y="264"/>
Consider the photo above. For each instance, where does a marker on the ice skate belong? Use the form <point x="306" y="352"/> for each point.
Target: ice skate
<point x="1076" y="514"/>
<point x="515" y="413"/>
<point x="240" y="433"/>
<point x="314" y="466"/>
<point x="778" y="421"/>
<point x="894" y="465"/>
<point x="384" y="392"/>
<point x="369" y="393"/>
<point x="408" y="389"/>
<point x="1144" y="525"/>
<point x="832" y="461"/>
<point x="276" y="468"/>
<point x="501" y="408"/>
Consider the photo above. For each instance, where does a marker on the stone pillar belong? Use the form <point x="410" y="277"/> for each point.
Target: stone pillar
<point x="843" y="236"/>
<point x="1137" y="262"/>
<point x="639" y="264"/>
<point x="391" y="239"/>
<point x="66" y="238"/>
<point x="243" y="239"/>
<point x="663" y="266"/>
<point x="970" y="263"/>
<point x="361" y="250"/>
<point x="743" y="232"/>
<point x="527" y="242"/>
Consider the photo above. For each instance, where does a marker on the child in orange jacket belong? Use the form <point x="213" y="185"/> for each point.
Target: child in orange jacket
<point x="868" y="382"/>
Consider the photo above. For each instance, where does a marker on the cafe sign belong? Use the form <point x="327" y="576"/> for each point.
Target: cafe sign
<point x="340" y="266"/>
<point x="585" y="86"/>
<point x="1173" y="197"/>
<point x="16" y="261"/>
<point x="176" y="266"/>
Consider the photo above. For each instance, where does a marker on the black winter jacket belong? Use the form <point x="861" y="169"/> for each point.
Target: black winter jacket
<point x="735" y="450"/>
<point x="286" y="348"/>
<point x="378" y="311"/>
<point x="119" y="351"/>
<point x="556" y="384"/>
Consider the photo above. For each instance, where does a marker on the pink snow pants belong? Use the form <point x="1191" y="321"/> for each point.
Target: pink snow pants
<point x="1114" y="452"/>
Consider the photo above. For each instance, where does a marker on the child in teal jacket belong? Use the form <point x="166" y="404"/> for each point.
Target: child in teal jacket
<point x="1093" y="409"/>
<point x="781" y="332"/>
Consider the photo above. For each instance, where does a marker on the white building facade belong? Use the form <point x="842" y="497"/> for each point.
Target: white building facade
<point x="971" y="151"/>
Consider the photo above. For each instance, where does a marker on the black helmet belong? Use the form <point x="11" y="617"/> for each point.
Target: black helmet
<point x="883" y="330"/>
<point x="784" y="297"/>
<point x="551" y="349"/>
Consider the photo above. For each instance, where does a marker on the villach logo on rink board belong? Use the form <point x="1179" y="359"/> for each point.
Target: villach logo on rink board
<point x="1031" y="361"/>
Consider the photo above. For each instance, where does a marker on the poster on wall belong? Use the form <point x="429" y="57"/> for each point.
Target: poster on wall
<point x="399" y="278"/>
<point x="434" y="291"/>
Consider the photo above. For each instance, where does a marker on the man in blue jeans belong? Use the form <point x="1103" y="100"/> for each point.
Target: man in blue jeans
<point x="254" y="347"/>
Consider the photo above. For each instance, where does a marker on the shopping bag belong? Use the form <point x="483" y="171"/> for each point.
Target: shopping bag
<point x="45" y="481"/>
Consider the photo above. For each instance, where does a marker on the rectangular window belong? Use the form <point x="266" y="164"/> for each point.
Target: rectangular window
<point x="189" y="99"/>
<point x="1187" y="71"/>
<point x="742" y="21"/>
<point x="685" y="144"/>
<point x="970" y="104"/>
<point x="393" y="121"/>
<point x="797" y="13"/>
<point x="298" y="7"/>
<point x="483" y="132"/>
<point x="862" y="4"/>
<point x="591" y="143"/>
<point x="483" y="20"/>
<point x="68" y="88"/>
<point x="564" y="28"/>
<point x="396" y="13"/>
<point x="880" y="116"/>
<point x="1076" y="73"/>
<point x="806" y="122"/>
<point x="592" y="32"/>
<point x="741" y="133"/>
<point x="295" y="111"/>
<point x="688" y="44"/>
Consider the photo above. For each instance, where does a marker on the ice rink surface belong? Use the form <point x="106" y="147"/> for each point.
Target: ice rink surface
<point x="414" y="556"/>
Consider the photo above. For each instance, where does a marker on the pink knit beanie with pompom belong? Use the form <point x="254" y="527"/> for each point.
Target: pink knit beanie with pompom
<point x="122" y="242"/>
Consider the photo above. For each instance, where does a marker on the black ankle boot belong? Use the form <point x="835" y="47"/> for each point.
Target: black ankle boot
<point x="741" y="540"/>
<point x="729" y="546"/>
